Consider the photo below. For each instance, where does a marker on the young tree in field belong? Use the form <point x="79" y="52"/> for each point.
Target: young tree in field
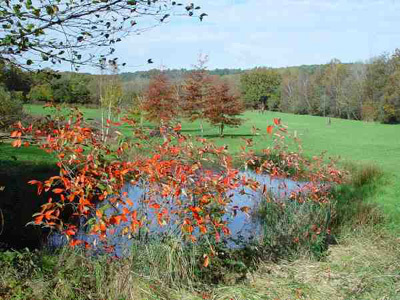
<point x="223" y="108"/>
<point x="195" y="91"/>
<point x="160" y="101"/>
<point x="110" y="90"/>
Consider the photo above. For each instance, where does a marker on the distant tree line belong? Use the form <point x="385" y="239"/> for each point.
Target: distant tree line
<point x="361" y="91"/>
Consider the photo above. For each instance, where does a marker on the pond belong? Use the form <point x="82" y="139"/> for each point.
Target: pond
<point x="244" y="227"/>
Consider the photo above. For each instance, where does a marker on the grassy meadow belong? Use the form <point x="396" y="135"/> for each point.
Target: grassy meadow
<point x="351" y="140"/>
<point x="364" y="264"/>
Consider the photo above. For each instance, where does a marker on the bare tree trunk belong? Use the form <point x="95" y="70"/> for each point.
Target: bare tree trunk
<point x="108" y="118"/>
<point x="329" y="121"/>
<point x="201" y="128"/>
<point x="221" y="132"/>
<point x="162" y="130"/>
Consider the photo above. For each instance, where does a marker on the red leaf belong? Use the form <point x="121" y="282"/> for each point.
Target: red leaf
<point x="269" y="129"/>
<point x="39" y="185"/>
<point x="115" y="220"/>
<point x="74" y="243"/>
<point x="154" y="205"/>
<point x="70" y="232"/>
<point x="178" y="128"/>
<point x="277" y="121"/>
<point x="34" y="182"/>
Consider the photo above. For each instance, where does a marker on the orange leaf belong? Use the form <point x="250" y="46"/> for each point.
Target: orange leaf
<point x="269" y="129"/>
<point x="16" y="143"/>
<point x="154" y="205"/>
<point x="178" y="128"/>
<point x="99" y="214"/>
<point x="14" y="134"/>
<point x="26" y="144"/>
<point x="203" y="229"/>
<point x="115" y="220"/>
<point x="74" y="243"/>
<point x="96" y="228"/>
<point x="277" y="121"/>
<point x="206" y="261"/>
<point x="48" y="214"/>
<point x="39" y="186"/>
<point x="38" y="219"/>
<point x="245" y="209"/>
<point x="70" y="232"/>
<point x="58" y="191"/>
<point x="34" y="182"/>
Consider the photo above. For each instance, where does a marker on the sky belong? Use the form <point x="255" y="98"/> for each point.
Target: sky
<point x="272" y="33"/>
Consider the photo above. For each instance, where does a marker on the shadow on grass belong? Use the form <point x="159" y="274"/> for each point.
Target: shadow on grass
<point x="233" y="135"/>
<point x="191" y="130"/>
<point x="19" y="201"/>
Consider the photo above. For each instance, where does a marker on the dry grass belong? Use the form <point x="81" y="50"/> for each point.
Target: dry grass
<point x="362" y="266"/>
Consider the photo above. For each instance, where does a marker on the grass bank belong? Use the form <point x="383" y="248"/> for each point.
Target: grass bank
<point x="364" y="265"/>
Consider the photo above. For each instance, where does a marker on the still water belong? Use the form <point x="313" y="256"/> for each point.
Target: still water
<point x="243" y="227"/>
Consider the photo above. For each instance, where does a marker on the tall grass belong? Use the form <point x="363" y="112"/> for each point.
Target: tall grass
<point x="292" y="229"/>
<point x="353" y="203"/>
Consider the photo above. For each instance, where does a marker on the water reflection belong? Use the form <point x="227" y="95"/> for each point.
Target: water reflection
<point x="243" y="227"/>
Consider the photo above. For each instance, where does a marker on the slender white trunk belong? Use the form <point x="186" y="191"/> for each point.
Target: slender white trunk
<point x="201" y="127"/>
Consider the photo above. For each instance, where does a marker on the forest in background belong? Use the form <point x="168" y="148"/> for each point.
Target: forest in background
<point x="367" y="91"/>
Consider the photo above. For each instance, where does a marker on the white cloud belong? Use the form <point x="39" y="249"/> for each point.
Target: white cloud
<point x="247" y="33"/>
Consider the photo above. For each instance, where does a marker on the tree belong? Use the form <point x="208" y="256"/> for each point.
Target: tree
<point x="14" y="79"/>
<point x="377" y="76"/>
<point x="391" y="102"/>
<point x="160" y="103"/>
<point x="223" y="107"/>
<point x="351" y="95"/>
<point x="333" y="80"/>
<point x="110" y="93"/>
<point x="64" y="30"/>
<point x="196" y="89"/>
<point x="71" y="88"/>
<point x="41" y="92"/>
<point x="10" y="107"/>
<point x="258" y="83"/>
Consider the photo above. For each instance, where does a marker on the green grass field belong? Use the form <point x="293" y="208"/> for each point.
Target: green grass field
<point x="352" y="141"/>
